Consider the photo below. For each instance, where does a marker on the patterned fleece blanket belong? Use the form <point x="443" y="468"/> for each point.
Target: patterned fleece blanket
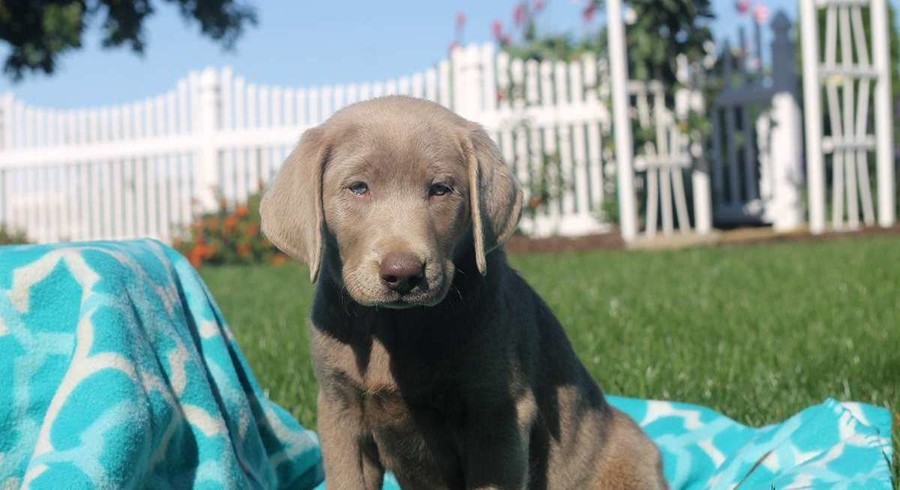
<point x="117" y="370"/>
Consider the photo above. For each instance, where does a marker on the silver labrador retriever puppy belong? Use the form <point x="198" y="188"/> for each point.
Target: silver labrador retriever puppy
<point x="435" y="360"/>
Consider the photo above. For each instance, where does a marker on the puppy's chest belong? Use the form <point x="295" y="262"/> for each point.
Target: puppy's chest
<point x="394" y="392"/>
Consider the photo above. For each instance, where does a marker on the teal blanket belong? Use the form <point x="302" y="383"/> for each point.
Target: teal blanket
<point x="118" y="370"/>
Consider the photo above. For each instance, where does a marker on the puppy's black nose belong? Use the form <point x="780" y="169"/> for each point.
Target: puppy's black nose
<point x="401" y="271"/>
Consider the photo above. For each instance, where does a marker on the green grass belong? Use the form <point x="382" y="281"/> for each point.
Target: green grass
<point x="756" y="332"/>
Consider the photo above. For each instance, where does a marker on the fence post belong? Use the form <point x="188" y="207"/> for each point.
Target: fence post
<point x="621" y="121"/>
<point x="6" y="128"/>
<point x="205" y="119"/>
<point x="812" y="107"/>
<point x="884" y="131"/>
<point x="6" y="120"/>
<point x="466" y="78"/>
<point x="785" y="148"/>
<point x="700" y="174"/>
<point x="686" y="101"/>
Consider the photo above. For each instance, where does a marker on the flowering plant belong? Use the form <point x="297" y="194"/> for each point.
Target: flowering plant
<point x="229" y="235"/>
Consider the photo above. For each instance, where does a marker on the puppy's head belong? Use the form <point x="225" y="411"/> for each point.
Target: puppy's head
<point x="391" y="191"/>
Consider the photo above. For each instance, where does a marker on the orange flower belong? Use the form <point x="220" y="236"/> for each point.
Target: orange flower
<point x="244" y="250"/>
<point x="535" y="202"/>
<point x="253" y="229"/>
<point x="200" y="249"/>
<point x="278" y="259"/>
<point x="241" y="211"/>
<point x="231" y="223"/>
<point x="195" y="258"/>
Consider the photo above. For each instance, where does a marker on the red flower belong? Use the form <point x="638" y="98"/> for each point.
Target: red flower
<point x="460" y="19"/>
<point x="742" y="6"/>
<point x="539" y="5"/>
<point x="520" y="14"/>
<point x="761" y="14"/>
<point x="588" y="13"/>
<point x="497" y="29"/>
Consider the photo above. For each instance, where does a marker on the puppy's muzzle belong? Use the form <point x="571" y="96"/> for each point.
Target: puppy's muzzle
<point x="401" y="272"/>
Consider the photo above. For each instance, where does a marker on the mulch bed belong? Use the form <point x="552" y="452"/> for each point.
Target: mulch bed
<point x="521" y="244"/>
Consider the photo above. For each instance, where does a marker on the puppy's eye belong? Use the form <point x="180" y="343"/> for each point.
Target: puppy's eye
<point x="359" y="188"/>
<point x="439" y="189"/>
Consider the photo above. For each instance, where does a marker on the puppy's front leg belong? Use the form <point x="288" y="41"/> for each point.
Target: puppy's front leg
<point x="497" y="445"/>
<point x="350" y="454"/>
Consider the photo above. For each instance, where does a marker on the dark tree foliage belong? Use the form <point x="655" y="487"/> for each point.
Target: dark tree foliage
<point x="38" y="32"/>
<point x="662" y="30"/>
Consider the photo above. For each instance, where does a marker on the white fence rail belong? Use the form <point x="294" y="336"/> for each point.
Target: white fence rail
<point x="148" y="168"/>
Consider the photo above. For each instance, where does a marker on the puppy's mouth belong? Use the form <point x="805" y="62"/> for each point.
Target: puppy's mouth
<point x="398" y="301"/>
<point x="430" y="291"/>
<point x="425" y="296"/>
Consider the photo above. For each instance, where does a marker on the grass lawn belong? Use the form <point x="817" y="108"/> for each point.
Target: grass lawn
<point x="755" y="332"/>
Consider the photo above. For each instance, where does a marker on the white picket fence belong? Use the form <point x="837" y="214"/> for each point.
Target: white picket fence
<point x="756" y="143"/>
<point x="148" y="168"/>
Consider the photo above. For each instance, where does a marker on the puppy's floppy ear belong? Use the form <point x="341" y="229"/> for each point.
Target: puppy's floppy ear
<point x="495" y="197"/>
<point x="291" y="209"/>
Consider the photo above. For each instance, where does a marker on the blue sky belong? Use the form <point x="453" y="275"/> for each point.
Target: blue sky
<point x="297" y="44"/>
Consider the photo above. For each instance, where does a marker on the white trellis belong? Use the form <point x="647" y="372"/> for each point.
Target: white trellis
<point x="664" y="160"/>
<point x="854" y="71"/>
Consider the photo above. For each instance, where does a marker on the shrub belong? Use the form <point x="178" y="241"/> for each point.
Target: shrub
<point x="229" y="236"/>
<point x="9" y="236"/>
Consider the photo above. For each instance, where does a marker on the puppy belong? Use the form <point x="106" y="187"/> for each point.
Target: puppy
<point x="435" y="360"/>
